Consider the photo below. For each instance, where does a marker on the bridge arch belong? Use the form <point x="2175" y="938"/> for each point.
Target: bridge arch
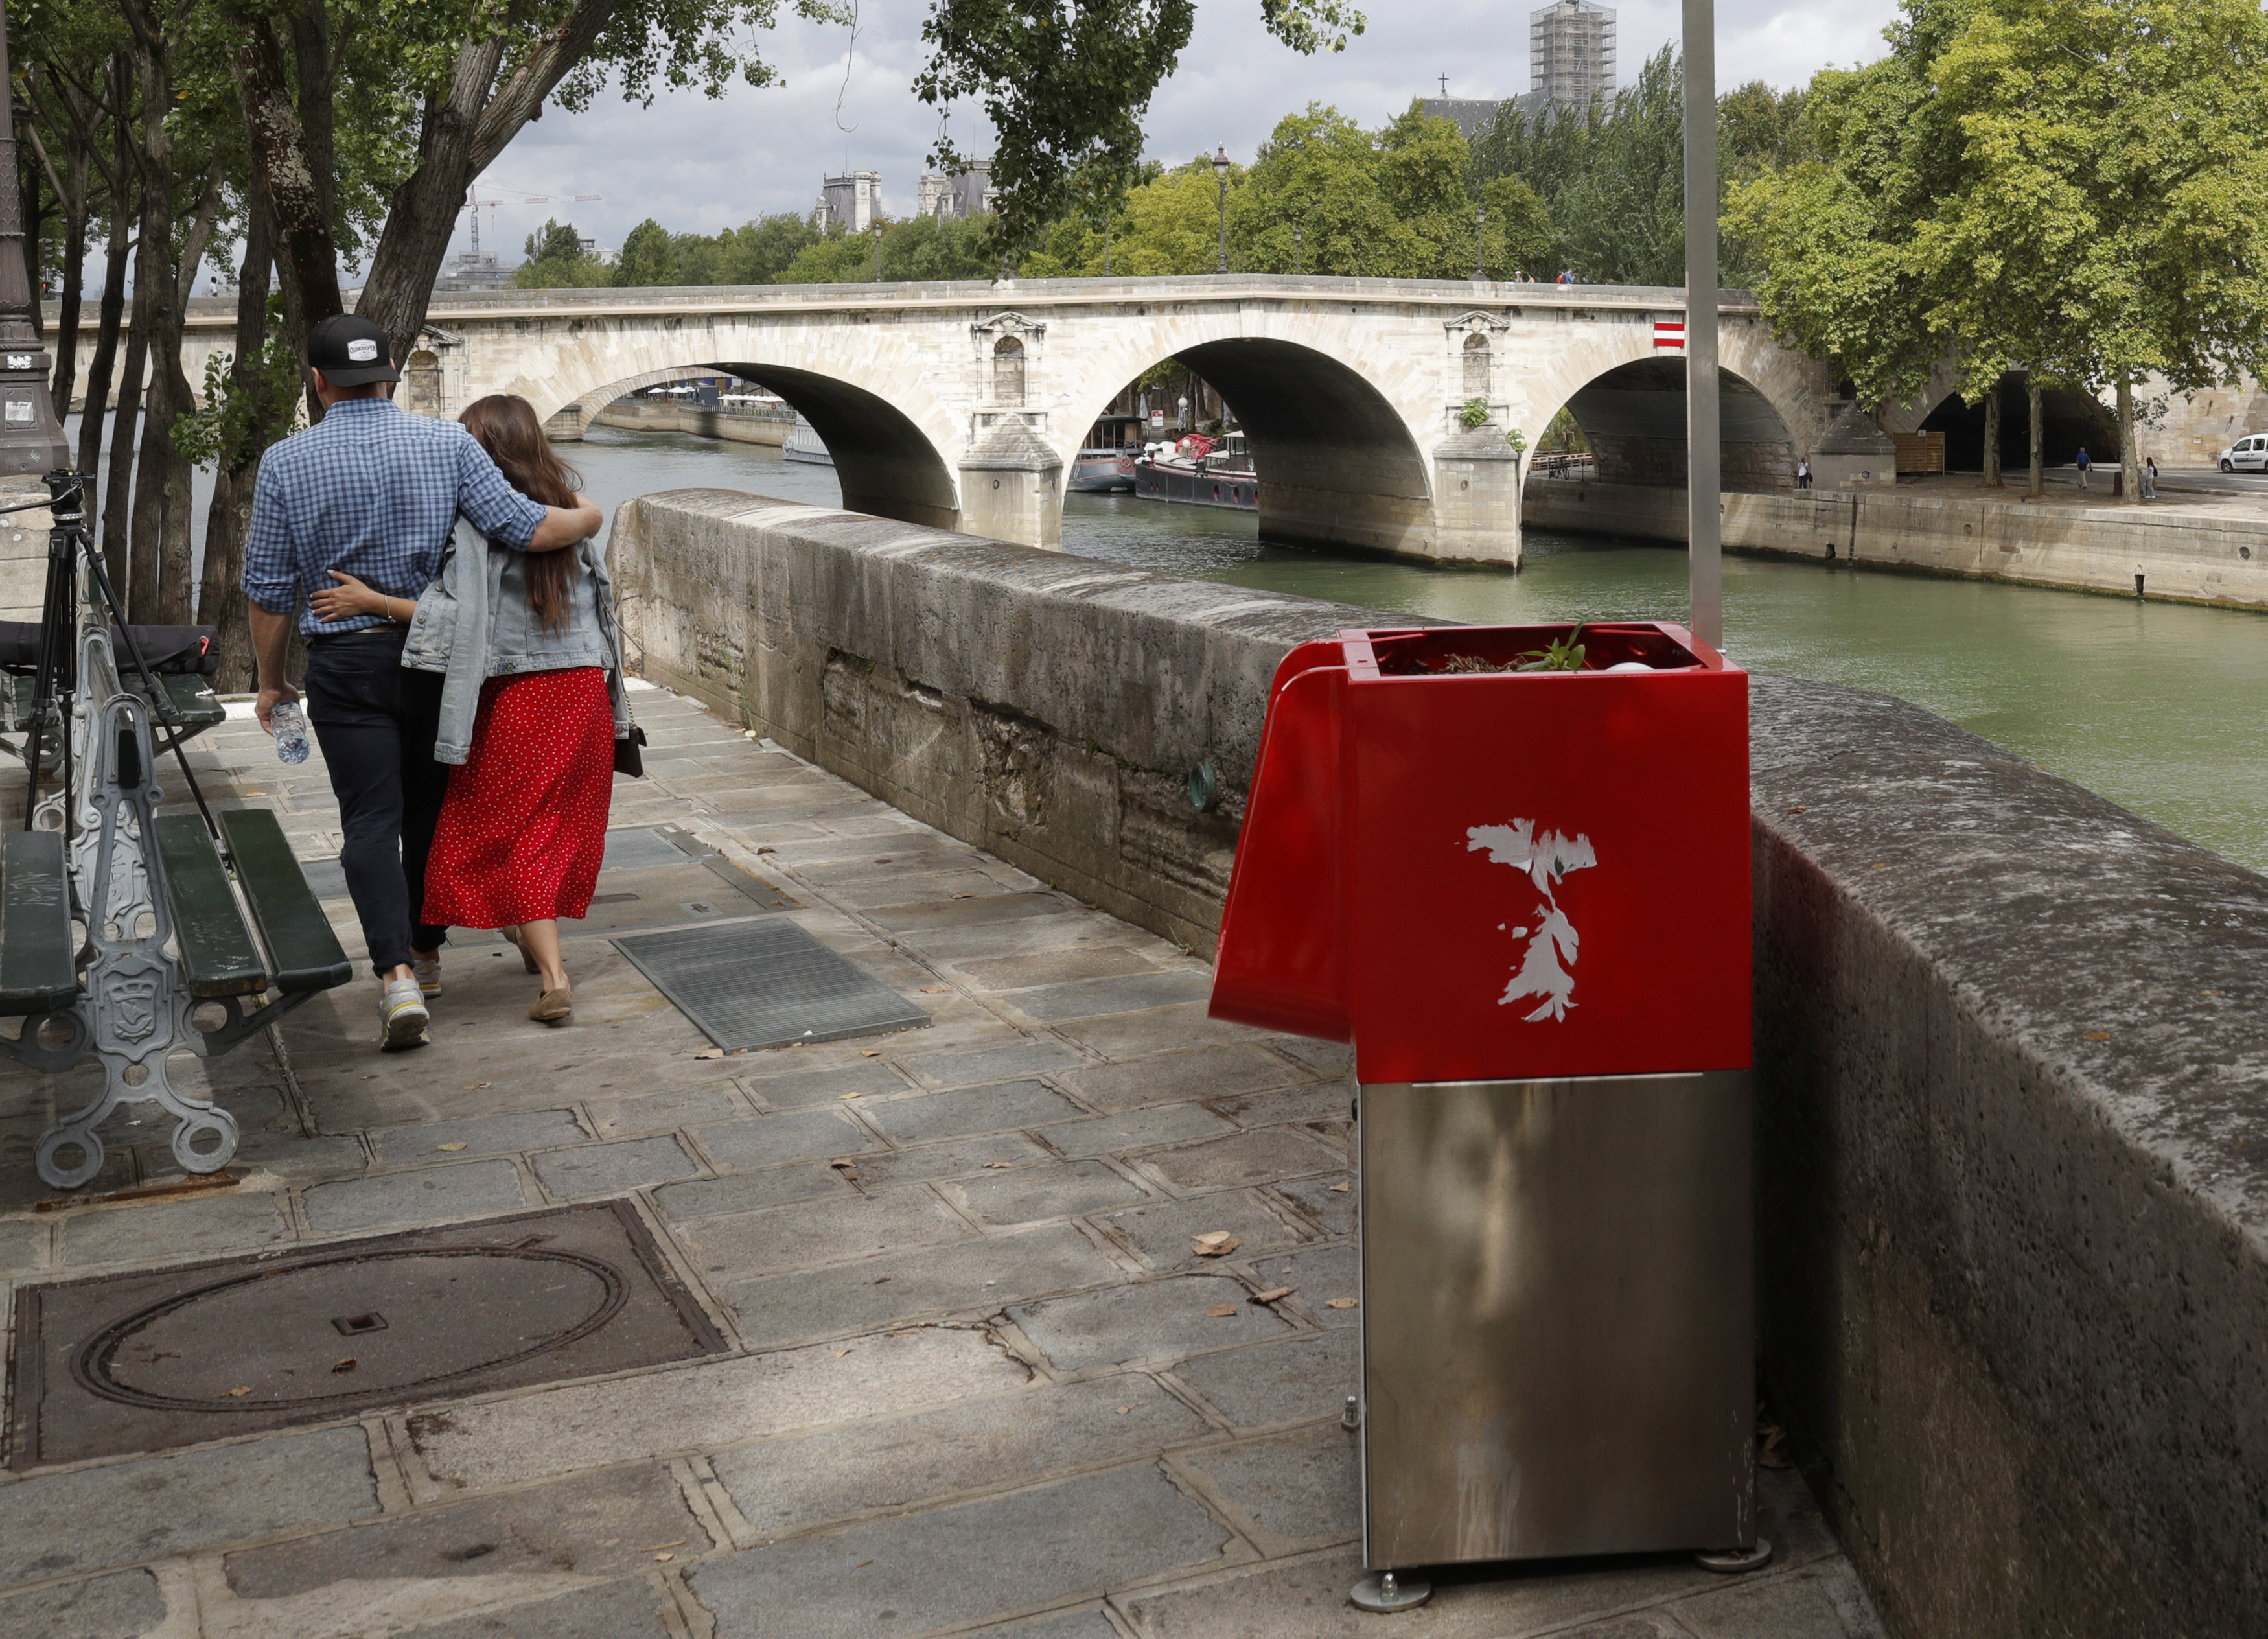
<point x="1338" y="463"/>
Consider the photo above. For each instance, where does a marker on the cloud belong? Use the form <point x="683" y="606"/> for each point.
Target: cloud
<point x="694" y="164"/>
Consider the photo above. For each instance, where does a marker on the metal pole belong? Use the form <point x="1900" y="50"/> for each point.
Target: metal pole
<point x="31" y="437"/>
<point x="1480" y="246"/>
<point x="1224" y="221"/>
<point x="1704" y="450"/>
<point x="878" y="253"/>
<point x="1298" y="264"/>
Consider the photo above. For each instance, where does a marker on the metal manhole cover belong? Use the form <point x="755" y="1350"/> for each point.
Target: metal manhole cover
<point x="152" y="1359"/>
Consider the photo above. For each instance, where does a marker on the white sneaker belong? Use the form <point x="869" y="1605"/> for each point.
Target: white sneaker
<point x="428" y="972"/>
<point x="402" y="1016"/>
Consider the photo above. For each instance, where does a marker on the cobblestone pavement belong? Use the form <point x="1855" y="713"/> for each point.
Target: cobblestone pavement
<point x="971" y="1384"/>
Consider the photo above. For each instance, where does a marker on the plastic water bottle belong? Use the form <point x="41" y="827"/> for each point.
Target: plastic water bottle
<point x="290" y="726"/>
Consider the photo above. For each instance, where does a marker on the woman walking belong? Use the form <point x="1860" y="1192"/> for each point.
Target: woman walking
<point x="531" y="707"/>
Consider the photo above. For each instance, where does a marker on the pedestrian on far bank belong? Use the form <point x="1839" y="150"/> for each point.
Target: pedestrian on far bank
<point x="2080" y="461"/>
<point x="375" y="492"/>
<point x="2150" y="477"/>
<point x="1803" y="472"/>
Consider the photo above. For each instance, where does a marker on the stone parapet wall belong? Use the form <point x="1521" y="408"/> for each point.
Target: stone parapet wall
<point x="2013" y="1141"/>
<point x="2200" y="557"/>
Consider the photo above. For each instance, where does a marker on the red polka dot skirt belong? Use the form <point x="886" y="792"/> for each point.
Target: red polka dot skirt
<point x="524" y="827"/>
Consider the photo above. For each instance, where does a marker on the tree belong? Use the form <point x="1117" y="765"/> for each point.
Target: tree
<point x="557" y="260"/>
<point x="922" y="248"/>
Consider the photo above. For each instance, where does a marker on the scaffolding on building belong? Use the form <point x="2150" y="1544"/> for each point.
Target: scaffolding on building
<point x="1570" y="54"/>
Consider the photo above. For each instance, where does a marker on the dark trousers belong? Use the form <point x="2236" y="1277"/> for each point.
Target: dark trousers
<point x="376" y="721"/>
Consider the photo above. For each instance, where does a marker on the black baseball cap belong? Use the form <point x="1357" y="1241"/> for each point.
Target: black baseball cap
<point x="351" y="351"/>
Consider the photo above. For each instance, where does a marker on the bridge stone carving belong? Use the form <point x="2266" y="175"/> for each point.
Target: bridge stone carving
<point x="962" y="405"/>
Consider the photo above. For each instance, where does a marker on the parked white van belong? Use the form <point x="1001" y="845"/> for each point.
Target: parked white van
<point x="2248" y="455"/>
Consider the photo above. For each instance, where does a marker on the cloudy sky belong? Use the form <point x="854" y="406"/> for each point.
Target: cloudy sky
<point x="692" y="164"/>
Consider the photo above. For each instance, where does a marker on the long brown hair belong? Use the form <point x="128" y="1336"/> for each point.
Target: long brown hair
<point x="505" y="424"/>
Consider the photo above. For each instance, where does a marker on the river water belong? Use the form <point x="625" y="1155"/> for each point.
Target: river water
<point x="2159" y="706"/>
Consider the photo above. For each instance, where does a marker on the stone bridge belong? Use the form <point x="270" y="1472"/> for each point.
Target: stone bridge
<point x="962" y="405"/>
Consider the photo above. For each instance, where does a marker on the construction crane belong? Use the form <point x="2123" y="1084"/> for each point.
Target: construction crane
<point x="474" y="201"/>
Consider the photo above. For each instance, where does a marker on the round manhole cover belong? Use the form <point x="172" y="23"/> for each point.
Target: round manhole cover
<point x="353" y="1328"/>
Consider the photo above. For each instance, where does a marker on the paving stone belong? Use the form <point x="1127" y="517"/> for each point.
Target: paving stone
<point x="601" y="1524"/>
<point x="1307" y="1599"/>
<point x="294" y="1156"/>
<point x="960" y="912"/>
<point x="1138" y="1129"/>
<point x="1323" y="1200"/>
<point x="1293" y="1379"/>
<point x="121" y="1606"/>
<point x="792" y="1136"/>
<point x="792" y="1089"/>
<point x="1322" y="1101"/>
<point x="1160" y="1029"/>
<point x="612" y="1169"/>
<point x="653" y="1112"/>
<point x="170" y="1231"/>
<point x="788" y="1486"/>
<point x="1054" y="967"/>
<point x="1331" y="1059"/>
<point x="1164" y="1234"/>
<point x="1059" y="1189"/>
<point x="22" y="1244"/>
<point x="150" y="1508"/>
<point x="976" y="1277"/>
<point x="829" y="1232"/>
<point x="1318" y="1274"/>
<point x="1087" y="1624"/>
<point x="481" y="1135"/>
<point x="1294" y="1490"/>
<point x="1135" y="992"/>
<point x="914" y="884"/>
<point x="1260" y="1157"/>
<point x="704" y="1408"/>
<point x="616" y="1610"/>
<point x="432" y="1193"/>
<point x="1004" y="1106"/>
<point x="742" y="1191"/>
<point x="1157" y="1320"/>
<point x="1810" y="1602"/>
<point x="958" y="1158"/>
<point x="993" y="1064"/>
<point x="1164" y="1078"/>
<point x="1037" y="1547"/>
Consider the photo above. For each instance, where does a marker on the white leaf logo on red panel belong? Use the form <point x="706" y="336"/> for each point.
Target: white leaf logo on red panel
<point x="1552" y="941"/>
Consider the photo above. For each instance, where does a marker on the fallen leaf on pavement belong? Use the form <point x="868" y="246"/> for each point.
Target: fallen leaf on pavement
<point x="347" y="1364"/>
<point x="1796" y="810"/>
<point x="1340" y="1303"/>
<point x="843" y="1166"/>
<point x="474" y="1087"/>
<point x="710" y="1052"/>
<point x="1221" y="1310"/>
<point x="452" y="1147"/>
<point x="932" y="990"/>
<point x="659" y="1546"/>
<point x="850" y="1095"/>
<point x="840" y="1353"/>
<point x="994" y="1166"/>
<point x="1341" y="1189"/>
<point x="870" y="1052"/>
<point x="664" y="1559"/>
<point x="1274" y="1293"/>
<point x="1124" y="1409"/>
<point x="964" y="896"/>
<point x="238" y="1394"/>
<point x="2096" y="1036"/>
<point x="1219" y="1244"/>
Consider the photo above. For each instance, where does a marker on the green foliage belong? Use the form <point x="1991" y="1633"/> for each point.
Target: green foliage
<point x="1065" y="88"/>
<point x="1474" y="414"/>
<point x="754" y="253"/>
<point x="1560" y="655"/>
<point x="234" y="427"/>
<point x="557" y="261"/>
<point x="920" y="248"/>
<point x="1518" y="440"/>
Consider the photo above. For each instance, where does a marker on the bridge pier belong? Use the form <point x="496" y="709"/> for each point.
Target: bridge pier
<point x="1011" y="487"/>
<point x="1477" y="487"/>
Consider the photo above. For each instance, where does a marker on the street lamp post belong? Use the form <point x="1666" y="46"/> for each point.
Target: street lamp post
<point x="1480" y="246"/>
<point x="877" y="251"/>
<point x="1220" y="170"/>
<point x="31" y="438"/>
<point x="1298" y="265"/>
<point x="1704" y="451"/>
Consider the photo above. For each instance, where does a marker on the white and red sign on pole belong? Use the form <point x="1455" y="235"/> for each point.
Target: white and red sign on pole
<point x="1669" y="333"/>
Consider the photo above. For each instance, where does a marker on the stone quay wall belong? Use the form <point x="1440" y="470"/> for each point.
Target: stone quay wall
<point x="2195" y="558"/>
<point x="734" y="425"/>
<point x="2011" y="1041"/>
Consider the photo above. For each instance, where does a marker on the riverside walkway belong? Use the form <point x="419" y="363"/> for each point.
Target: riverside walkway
<point x="966" y="1370"/>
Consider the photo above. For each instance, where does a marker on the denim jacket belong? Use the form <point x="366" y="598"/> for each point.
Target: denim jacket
<point x="475" y="626"/>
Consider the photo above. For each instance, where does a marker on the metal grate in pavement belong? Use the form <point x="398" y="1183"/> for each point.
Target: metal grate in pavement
<point x="763" y="982"/>
<point x="153" y="1359"/>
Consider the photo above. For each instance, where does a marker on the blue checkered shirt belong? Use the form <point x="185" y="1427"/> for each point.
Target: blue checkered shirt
<point x="374" y="491"/>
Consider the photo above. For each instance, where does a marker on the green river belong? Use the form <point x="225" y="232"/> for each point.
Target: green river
<point x="2156" y="705"/>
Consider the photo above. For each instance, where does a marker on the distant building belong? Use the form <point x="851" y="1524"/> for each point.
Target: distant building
<point x="1471" y="114"/>
<point x="473" y="271"/>
<point x="1571" y="56"/>
<point x="853" y="200"/>
<point x="968" y="193"/>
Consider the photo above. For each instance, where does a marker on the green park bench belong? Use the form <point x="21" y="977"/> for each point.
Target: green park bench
<point x="128" y="934"/>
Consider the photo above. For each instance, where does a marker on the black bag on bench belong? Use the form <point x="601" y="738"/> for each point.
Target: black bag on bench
<point x="184" y="650"/>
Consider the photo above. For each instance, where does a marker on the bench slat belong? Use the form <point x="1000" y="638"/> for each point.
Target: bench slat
<point x="37" y="971"/>
<point x="306" y="953"/>
<point x="217" y="955"/>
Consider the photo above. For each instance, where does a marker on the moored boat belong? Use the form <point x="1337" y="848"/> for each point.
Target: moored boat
<point x="1106" y="462"/>
<point x="804" y="444"/>
<point x="1201" y="471"/>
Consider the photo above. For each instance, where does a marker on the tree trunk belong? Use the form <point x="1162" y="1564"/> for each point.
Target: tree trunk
<point x="294" y="182"/>
<point x="1992" y="438"/>
<point x="2130" y="456"/>
<point x="118" y="490"/>
<point x="2036" y="482"/>
<point x="71" y="189"/>
<point x="220" y="599"/>
<point x="164" y="467"/>
<point x="112" y="308"/>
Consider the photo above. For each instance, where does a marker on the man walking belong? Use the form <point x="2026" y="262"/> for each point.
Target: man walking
<point x="1803" y="472"/>
<point x="2080" y="461"/>
<point x="374" y="492"/>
